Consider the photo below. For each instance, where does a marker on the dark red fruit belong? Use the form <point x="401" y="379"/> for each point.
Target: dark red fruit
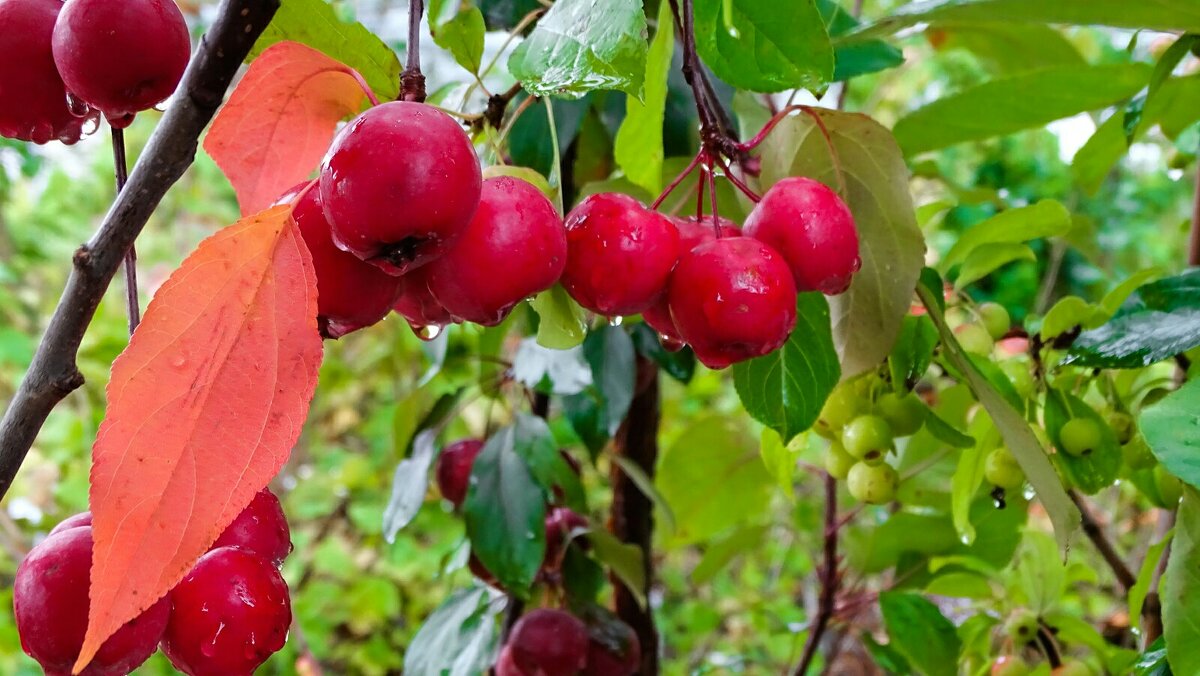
<point x="549" y="643"/>
<point x="733" y="299"/>
<point x="478" y="570"/>
<point x="505" y="666"/>
<point x="50" y="603"/>
<point x="692" y="233"/>
<point x="619" y="254"/>
<point x="33" y="99"/>
<point x="417" y="305"/>
<point x="454" y="469"/>
<point x="121" y="57"/>
<point x="228" y="615"/>
<point x="514" y="247"/>
<point x="813" y="229"/>
<point x="401" y="184"/>
<point x="75" y="521"/>
<point x="560" y="521"/>
<point x="351" y="294"/>
<point x="613" y="650"/>
<point x="261" y="528"/>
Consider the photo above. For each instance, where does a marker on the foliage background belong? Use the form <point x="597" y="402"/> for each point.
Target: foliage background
<point x="358" y="599"/>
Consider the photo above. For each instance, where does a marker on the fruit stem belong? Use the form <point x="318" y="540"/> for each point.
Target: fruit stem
<point x="121" y="170"/>
<point x="700" y="186"/>
<point x="712" y="197"/>
<point x="678" y="179"/>
<point x="737" y="182"/>
<point x="826" y="604"/>
<point x="816" y="118"/>
<point x="412" y="82"/>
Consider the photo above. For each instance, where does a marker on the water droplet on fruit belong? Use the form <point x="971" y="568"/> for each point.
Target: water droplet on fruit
<point x="77" y="107"/>
<point x="210" y="647"/>
<point x="616" y="321"/>
<point x="426" y="333"/>
<point x="90" y="126"/>
<point x="671" y="344"/>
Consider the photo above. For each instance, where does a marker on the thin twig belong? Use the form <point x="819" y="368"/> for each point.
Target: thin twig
<point x="121" y="171"/>
<point x="1194" y="243"/>
<point x="53" y="373"/>
<point x="829" y="580"/>
<point x="1125" y="576"/>
<point x="412" y="81"/>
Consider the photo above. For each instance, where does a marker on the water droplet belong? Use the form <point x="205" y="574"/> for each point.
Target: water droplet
<point x="210" y="647"/>
<point x="77" y="107"/>
<point x="178" y="361"/>
<point x="734" y="33"/>
<point x="616" y="321"/>
<point x="90" y="126"/>
<point x="671" y="344"/>
<point x="426" y="333"/>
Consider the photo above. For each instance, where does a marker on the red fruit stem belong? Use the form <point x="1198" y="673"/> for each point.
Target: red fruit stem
<point x="829" y="579"/>
<point x="700" y="183"/>
<point x="53" y="373"/>
<point x="807" y="110"/>
<point x="712" y="200"/>
<point x="677" y="180"/>
<point x="737" y="182"/>
<point x="412" y="81"/>
<point x="121" y="168"/>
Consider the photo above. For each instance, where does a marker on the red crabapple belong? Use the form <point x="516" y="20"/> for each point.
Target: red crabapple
<point x="417" y="305"/>
<point x="50" y="604"/>
<point x="619" y="254"/>
<point x="228" y="615"/>
<point x="121" y="57"/>
<point x="505" y="666"/>
<point x="560" y="522"/>
<point x="33" y="98"/>
<point x="814" y="231"/>
<point x="74" y="521"/>
<point x="400" y="184"/>
<point x="454" y="469"/>
<point x="514" y="247"/>
<point x="261" y="528"/>
<point x="613" y="650"/>
<point x="692" y="233"/>
<point x="733" y="299"/>
<point x="549" y="643"/>
<point x="351" y="294"/>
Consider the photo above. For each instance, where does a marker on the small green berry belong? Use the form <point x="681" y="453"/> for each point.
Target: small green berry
<point x="1021" y="626"/>
<point x="1009" y="665"/>
<point x="1137" y="453"/>
<point x="842" y="406"/>
<point x="1017" y="371"/>
<point x="1080" y="436"/>
<point x="837" y="461"/>
<point x="974" y="338"/>
<point x="866" y="433"/>
<point x="995" y="319"/>
<point x="905" y="413"/>
<point x="1001" y="469"/>
<point x="872" y="484"/>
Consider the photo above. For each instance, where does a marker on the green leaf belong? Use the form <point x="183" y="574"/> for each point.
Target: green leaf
<point x="1046" y="218"/>
<point x="920" y="632"/>
<point x="1070" y="312"/>
<point x="625" y="560"/>
<point x="506" y="14"/>
<point x="1116" y="297"/>
<point x="1145" y="577"/>
<point x="947" y="433"/>
<point x="1153" y="662"/>
<point x="859" y="58"/>
<point x="1013" y="428"/>
<point x="1181" y="613"/>
<point x="771" y="46"/>
<point x="679" y="364"/>
<point x="458" y="639"/>
<point x="968" y="474"/>
<point x="1162" y="70"/>
<point x="960" y="585"/>
<point x="1164" y="15"/>
<point x="717" y="556"/>
<point x="580" y="46"/>
<point x="867" y="318"/>
<point x="713" y="478"/>
<point x="561" y="326"/>
<point x="785" y="390"/>
<point x="609" y="351"/>
<point x="913" y="351"/>
<point x="646" y="485"/>
<point x="314" y="23"/>
<point x="1095" y="470"/>
<point x="1002" y="106"/>
<point x="638" y="148"/>
<point x="987" y="258"/>
<point x="410" y="484"/>
<point x="779" y="460"/>
<point x="1163" y="321"/>
<point x="532" y="440"/>
<point x="531" y="143"/>
<point x="1103" y="149"/>
<point x="1007" y="48"/>
<point x="1172" y="428"/>
<point x="1041" y="571"/>
<point x="462" y="36"/>
<point x="504" y="513"/>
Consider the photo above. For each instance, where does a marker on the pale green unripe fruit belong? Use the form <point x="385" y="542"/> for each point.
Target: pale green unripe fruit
<point x="873" y="484"/>
<point x="974" y="338"/>
<point x="1001" y="469"/>
<point x="842" y="406"/>
<point x="1080" y="436"/>
<point x="905" y="413"/>
<point x="837" y="461"/>
<point x="995" y="319"/>
<point x="866" y="433"/>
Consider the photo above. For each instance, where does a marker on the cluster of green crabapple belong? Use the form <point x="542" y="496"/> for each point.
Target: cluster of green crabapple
<point x="1021" y="629"/>
<point x="547" y="641"/>
<point x="225" y="618"/>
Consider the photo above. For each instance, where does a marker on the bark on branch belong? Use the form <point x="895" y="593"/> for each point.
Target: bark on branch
<point x="53" y="374"/>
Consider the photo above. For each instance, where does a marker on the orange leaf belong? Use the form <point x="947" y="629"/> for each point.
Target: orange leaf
<point x="203" y="409"/>
<point x="280" y="120"/>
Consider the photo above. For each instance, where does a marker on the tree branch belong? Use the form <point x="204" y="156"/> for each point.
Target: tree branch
<point x="53" y="374"/>
<point x="632" y="515"/>
<point x="1125" y="576"/>
<point x="829" y="579"/>
<point x="121" y="169"/>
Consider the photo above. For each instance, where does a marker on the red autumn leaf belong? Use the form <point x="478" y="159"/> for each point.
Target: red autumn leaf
<point x="203" y="409"/>
<point x="279" y="122"/>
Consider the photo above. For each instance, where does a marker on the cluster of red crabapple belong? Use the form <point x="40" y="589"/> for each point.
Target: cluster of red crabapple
<point x="547" y="641"/>
<point x="225" y="618"/>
